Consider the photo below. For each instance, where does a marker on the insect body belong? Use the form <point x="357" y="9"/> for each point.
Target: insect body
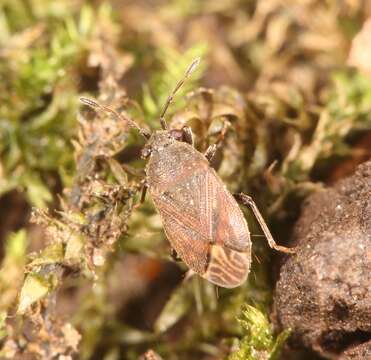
<point x="201" y="219"/>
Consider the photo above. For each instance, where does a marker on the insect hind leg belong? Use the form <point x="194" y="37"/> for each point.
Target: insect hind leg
<point x="248" y="201"/>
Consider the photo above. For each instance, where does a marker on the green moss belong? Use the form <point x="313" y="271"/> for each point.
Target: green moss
<point x="258" y="341"/>
<point x="38" y="93"/>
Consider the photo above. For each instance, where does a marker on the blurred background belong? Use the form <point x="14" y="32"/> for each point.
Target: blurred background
<point x="87" y="275"/>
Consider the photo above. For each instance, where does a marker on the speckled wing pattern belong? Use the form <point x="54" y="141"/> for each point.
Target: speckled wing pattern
<point x="206" y="227"/>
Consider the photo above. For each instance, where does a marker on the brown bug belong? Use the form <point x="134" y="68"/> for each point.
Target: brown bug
<point x="201" y="219"/>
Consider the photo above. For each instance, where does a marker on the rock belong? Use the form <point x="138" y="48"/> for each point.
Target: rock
<point x="358" y="352"/>
<point x="324" y="291"/>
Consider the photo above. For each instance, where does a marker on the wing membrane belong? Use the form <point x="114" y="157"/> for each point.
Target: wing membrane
<point x="199" y="213"/>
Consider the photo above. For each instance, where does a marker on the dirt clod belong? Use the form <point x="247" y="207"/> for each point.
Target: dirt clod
<point x="358" y="352"/>
<point x="323" y="293"/>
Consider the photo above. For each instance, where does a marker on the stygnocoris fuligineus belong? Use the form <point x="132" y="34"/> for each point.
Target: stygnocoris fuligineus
<point x="201" y="219"/>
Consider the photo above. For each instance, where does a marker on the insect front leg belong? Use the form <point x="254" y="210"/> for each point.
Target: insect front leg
<point x="143" y="193"/>
<point x="248" y="201"/>
<point x="211" y="150"/>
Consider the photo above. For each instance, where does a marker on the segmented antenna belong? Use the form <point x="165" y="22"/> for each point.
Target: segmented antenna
<point x="191" y="68"/>
<point x="95" y="105"/>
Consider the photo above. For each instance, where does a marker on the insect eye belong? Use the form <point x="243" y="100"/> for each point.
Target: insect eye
<point x="176" y="134"/>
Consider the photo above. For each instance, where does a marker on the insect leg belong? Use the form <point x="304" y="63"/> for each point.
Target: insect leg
<point x="143" y="194"/>
<point x="211" y="150"/>
<point x="190" y="273"/>
<point x="175" y="255"/>
<point x="133" y="171"/>
<point x="248" y="201"/>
